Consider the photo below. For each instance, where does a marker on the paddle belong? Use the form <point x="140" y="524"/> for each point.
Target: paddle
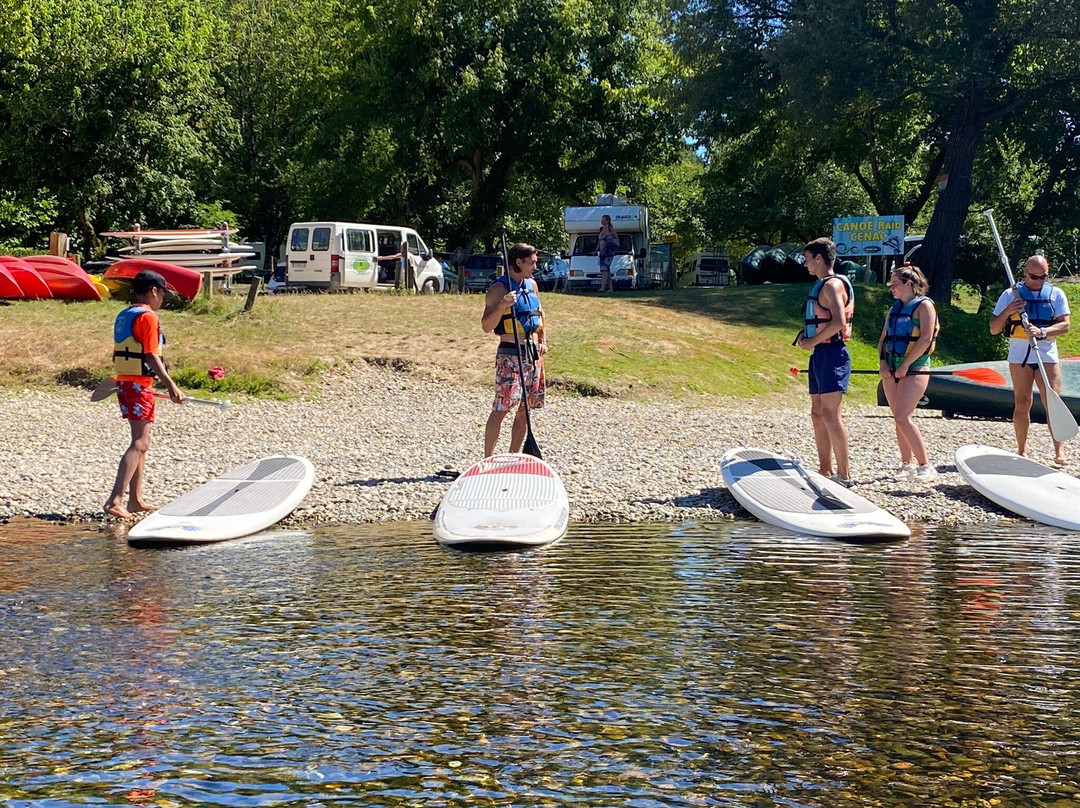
<point x="829" y="498"/>
<point x="1062" y="425"/>
<point x="108" y="387"/>
<point x="980" y="375"/>
<point x="530" y="447"/>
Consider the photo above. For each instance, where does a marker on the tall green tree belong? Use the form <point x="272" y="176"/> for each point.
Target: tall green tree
<point x="104" y="107"/>
<point x="277" y="66"/>
<point x="896" y="91"/>
<point x="485" y="95"/>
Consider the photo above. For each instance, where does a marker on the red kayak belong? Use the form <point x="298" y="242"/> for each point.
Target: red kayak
<point x="9" y="289"/>
<point x="32" y="284"/>
<point x="66" y="279"/>
<point x="183" y="281"/>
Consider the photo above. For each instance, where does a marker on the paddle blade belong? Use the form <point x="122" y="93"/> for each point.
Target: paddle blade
<point x="530" y="447"/>
<point x="1059" y="418"/>
<point x="104" y="390"/>
<point x="982" y="376"/>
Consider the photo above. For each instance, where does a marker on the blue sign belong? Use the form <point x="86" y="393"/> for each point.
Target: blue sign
<point x="869" y="235"/>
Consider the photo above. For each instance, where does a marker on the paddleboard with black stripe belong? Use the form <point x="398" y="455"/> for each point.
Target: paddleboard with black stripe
<point x="504" y="502"/>
<point x="775" y="490"/>
<point x="1021" y="485"/>
<point x="238" y="503"/>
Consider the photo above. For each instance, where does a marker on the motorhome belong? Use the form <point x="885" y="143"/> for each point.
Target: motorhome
<point x="630" y="265"/>
<point x="347" y="255"/>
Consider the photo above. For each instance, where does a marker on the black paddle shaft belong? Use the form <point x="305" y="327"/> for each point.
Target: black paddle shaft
<point x="530" y="447"/>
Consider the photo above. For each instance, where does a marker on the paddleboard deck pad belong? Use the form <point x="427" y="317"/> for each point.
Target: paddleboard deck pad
<point x="504" y="502"/>
<point x="770" y="487"/>
<point x="1022" y="486"/>
<point x="238" y="503"/>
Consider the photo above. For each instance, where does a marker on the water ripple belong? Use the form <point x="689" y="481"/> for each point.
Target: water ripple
<point x="683" y="665"/>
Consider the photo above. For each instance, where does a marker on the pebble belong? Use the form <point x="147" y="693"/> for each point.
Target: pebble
<point x="380" y="437"/>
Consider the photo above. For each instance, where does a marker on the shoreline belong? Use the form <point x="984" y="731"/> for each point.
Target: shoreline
<point x="378" y="438"/>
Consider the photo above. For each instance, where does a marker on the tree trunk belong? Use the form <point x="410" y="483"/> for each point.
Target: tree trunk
<point x="943" y="234"/>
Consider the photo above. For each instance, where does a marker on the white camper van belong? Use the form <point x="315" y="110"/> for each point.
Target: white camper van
<point x="346" y="255"/>
<point x="629" y="266"/>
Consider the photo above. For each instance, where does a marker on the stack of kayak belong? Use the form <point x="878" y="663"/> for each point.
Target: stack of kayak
<point x="41" y="277"/>
<point x="180" y="256"/>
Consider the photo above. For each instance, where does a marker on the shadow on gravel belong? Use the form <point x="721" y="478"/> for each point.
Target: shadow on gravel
<point x="374" y="481"/>
<point x="717" y="498"/>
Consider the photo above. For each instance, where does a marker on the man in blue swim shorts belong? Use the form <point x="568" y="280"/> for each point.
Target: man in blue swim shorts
<point x="828" y="314"/>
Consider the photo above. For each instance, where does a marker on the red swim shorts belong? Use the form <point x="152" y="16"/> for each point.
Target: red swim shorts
<point x="136" y="401"/>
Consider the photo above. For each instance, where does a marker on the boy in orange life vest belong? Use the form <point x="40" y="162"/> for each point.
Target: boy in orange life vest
<point x="829" y="309"/>
<point x="137" y="341"/>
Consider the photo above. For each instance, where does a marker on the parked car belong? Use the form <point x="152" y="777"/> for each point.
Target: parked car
<point x="552" y="273"/>
<point x="479" y="269"/>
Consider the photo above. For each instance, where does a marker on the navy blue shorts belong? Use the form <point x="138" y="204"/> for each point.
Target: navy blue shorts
<point x="830" y="368"/>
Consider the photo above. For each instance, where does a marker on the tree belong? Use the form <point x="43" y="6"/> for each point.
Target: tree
<point x="490" y="95"/>
<point x="898" y="91"/>
<point x="103" y="103"/>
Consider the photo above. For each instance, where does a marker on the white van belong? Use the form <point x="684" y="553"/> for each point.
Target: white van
<point x="630" y="265"/>
<point x="346" y="255"/>
<point x="707" y="269"/>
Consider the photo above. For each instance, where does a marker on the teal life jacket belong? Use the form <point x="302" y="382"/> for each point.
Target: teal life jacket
<point x="816" y="314"/>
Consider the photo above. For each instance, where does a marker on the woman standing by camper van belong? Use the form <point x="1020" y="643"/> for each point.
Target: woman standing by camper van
<point x="607" y="243"/>
<point x="907" y="340"/>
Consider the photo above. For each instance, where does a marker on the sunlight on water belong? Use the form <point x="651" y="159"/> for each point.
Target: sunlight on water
<point x="660" y="665"/>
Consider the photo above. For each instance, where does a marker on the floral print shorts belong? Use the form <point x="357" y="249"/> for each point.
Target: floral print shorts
<point x="508" y="382"/>
<point x="136" y="401"/>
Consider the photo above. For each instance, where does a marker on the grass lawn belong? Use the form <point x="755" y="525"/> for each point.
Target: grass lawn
<point x="719" y="341"/>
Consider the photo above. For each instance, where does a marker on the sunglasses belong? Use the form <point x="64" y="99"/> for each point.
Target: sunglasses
<point x="1037" y="277"/>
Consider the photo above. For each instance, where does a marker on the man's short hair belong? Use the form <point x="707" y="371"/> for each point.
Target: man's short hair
<point x="822" y="248"/>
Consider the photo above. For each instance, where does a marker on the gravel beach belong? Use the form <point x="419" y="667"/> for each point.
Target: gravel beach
<point x="378" y="438"/>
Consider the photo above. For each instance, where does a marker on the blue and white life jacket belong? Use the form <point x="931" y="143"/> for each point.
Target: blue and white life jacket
<point x="1037" y="306"/>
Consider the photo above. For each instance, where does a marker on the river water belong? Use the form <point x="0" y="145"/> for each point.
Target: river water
<point x="660" y="665"/>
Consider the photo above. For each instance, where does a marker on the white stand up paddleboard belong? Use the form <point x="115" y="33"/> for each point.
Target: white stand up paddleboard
<point x="504" y="502"/>
<point x="772" y="488"/>
<point x="238" y="503"/>
<point x="1021" y="485"/>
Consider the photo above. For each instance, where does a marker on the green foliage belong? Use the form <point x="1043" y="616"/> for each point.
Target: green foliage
<point x="889" y="95"/>
<point x="492" y="97"/>
<point x="254" y="384"/>
<point x="104" y="111"/>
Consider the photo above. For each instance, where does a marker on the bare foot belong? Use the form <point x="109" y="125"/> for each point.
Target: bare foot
<point x="141" y="507"/>
<point x="1061" y="460"/>
<point x="118" y="511"/>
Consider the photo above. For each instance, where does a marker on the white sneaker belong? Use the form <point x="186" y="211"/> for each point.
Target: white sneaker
<point x="906" y="471"/>
<point x="925" y="474"/>
<point x="848" y="483"/>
